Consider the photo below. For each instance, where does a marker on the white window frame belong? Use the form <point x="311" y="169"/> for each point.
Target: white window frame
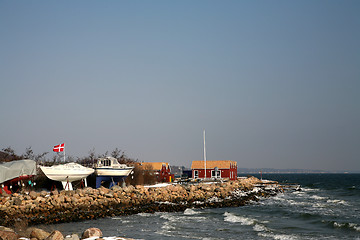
<point x="196" y="173"/>
<point x="215" y="174"/>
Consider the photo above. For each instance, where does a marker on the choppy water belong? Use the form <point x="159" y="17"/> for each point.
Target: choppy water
<point x="328" y="207"/>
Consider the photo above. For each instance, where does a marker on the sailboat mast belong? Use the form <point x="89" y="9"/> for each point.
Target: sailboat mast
<point x="204" y="155"/>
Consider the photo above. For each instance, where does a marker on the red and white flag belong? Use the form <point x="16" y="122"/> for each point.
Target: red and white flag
<point x="59" y="148"/>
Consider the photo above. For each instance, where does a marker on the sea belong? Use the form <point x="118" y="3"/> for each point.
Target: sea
<point x="327" y="207"/>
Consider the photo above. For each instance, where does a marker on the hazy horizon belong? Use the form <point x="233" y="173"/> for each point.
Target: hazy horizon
<point x="275" y="84"/>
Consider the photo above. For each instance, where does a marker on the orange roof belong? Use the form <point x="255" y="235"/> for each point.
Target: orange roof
<point x="212" y="164"/>
<point x="155" y="165"/>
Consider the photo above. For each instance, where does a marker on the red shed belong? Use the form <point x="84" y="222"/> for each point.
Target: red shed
<point x="215" y="169"/>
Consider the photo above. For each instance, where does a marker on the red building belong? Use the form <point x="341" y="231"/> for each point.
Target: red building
<point x="214" y="169"/>
<point x="162" y="170"/>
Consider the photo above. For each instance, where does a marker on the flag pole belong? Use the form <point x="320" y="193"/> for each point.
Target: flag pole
<point x="204" y="154"/>
<point x="64" y="152"/>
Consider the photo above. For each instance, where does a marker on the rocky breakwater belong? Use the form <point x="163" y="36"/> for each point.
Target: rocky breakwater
<point x="67" y="206"/>
<point x="39" y="234"/>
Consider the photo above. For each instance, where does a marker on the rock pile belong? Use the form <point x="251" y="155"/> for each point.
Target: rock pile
<point x="39" y="234"/>
<point x="68" y="206"/>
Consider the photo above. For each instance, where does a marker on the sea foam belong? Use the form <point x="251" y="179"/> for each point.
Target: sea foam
<point x="277" y="236"/>
<point x="229" y="217"/>
<point x="190" y="211"/>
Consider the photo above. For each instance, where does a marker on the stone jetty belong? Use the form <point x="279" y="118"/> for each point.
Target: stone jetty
<point x="31" y="208"/>
<point x="39" y="234"/>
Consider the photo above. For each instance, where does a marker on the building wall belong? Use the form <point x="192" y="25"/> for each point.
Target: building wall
<point x="230" y="173"/>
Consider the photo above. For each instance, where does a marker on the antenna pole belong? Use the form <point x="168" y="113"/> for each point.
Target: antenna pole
<point x="204" y="154"/>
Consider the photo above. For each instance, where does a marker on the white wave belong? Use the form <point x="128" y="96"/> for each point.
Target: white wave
<point x="349" y="225"/>
<point x="167" y="227"/>
<point x="190" y="211"/>
<point x="305" y="189"/>
<point x="169" y="217"/>
<point x="296" y="203"/>
<point x="354" y="226"/>
<point x="316" y="197"/>
<point x="336" y="201"/>
<point x="298" y="193"/>
<point x="279" y="197"/>
<point x="283" y="199"/>
<point x="198" y="219"/>
<point x="229" y="217"/>
<point x="277" y="236"/>
<point x="319" y="205"/>
<point x="260" y="228"/>
<point x="145" y="214"/>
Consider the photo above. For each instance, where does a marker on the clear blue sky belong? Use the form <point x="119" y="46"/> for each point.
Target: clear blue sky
<point x="274" y="83"/>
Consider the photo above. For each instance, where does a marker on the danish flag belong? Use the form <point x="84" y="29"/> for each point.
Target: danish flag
<point x="59" y="148"/>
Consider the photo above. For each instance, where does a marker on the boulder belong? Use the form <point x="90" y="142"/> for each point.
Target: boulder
<point x="39" y="234"/>
<point x="6" y="229"/>
<point x="109" y="195"/>
<point x="27" y="232"/>
<point x="61" y="198"/>
<point x="92" y="232"/>
<point x="55" y="235"/>
<point x="17" y="201"/>
<point x="55" y="192"/>
<point x="43" y="193"/>
<point x="8" y="235"/>
<point x="103" y="191"/>
<point x="129" y="189"/>
<point x="116" y="188"/>
<point x="72" y="237"/>
<point x="33" y="195"/>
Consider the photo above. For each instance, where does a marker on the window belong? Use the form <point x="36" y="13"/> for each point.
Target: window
<point x="105" y="163"/>
<point x="196" y="173"/>
<point x="215" y="174"/>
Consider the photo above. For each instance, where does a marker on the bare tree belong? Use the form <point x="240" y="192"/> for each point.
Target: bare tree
<point x="8" y="154"/>
<point x="41" y="157"/>
<point x="116" y="153"/>
<point x="9" y="151"/>
<point x="105" y="154"/>
<point x="29" y="153"/>
<point x="92" y="155"/>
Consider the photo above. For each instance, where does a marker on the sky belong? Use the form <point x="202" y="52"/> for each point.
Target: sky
<point x="275" y="84"/>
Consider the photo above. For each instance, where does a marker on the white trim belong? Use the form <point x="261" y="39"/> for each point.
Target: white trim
<point x="196" y="174"/>
<point x="215" y="174"/>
